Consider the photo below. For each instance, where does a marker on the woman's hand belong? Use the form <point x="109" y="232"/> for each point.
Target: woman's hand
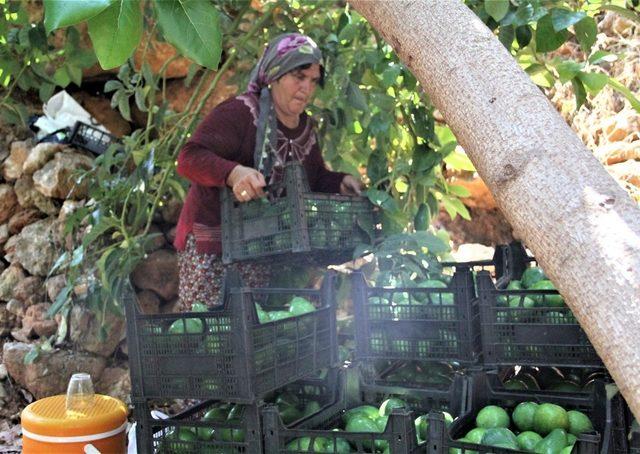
<point x="350" y="185"/>
<point x="246" y="183"/>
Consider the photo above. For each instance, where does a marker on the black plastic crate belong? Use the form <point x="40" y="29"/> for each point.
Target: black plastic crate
<point x="230" y="355"/>
<point x="241" y="434"/>
<point x="417" y="323"/>
<point x="595" y="405"/>
<point x="514" y="332"/>
<point x="294" y="224"/>
<point x="400" y="430"/>
<point x="91" y="138"/>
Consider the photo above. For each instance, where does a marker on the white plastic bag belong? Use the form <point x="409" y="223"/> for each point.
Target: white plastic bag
<point x="132" y="444"/>
<point x="62" y="111"/>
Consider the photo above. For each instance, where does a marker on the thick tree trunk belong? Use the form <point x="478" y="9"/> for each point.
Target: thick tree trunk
<point x="582" y="227"/>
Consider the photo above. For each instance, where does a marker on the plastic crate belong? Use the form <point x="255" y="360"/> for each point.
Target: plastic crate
<point x="399" y="433"/>
<point x="595" y="405"/>
<point x="415" y="323"/>
<point x="540" y="336"/>
<point x="231" y="356"/>
<point x="294" y="224"/>
<point x="241" y="435"/>
<point x="91" y="138"/>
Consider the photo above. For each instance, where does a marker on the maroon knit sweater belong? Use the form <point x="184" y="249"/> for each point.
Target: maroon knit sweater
<point x="225" y="138"/>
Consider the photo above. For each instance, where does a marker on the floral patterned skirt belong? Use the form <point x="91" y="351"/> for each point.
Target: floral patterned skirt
<point x="201" y="276"/>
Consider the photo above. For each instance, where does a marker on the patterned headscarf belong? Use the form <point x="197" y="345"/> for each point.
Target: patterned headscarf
<point x="283" y="54"/>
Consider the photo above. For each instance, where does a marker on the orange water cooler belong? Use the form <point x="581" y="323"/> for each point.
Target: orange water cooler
<point x="47" y="427"/>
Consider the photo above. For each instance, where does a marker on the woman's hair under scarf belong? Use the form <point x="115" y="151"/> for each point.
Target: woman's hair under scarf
<point x="283" y="54"/>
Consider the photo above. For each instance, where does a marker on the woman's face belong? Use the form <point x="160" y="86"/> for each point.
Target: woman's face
<point x="293" y="91"/>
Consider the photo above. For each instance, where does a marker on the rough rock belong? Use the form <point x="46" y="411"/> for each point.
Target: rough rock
<point x="487" y="227"/>
<point x="149" y="302"/>
<point x="621" y="125"/>
<point x="158" y="241"/>
<point x="29" y="197"/>
<point x="115" y="382"/>
<point x="12" y="167"/>
<point x="39" y="156"/>
<point x="49" y="374"/>
<point x="68" y="208"/>
<point x="54" y="285"/>
<point x="158" y="272"/>
<point x="171" y="211"/>
<point x="35" y="319"/>
<point x="84" y="329"/>
<point x="8" y="202"/>
<point x="7" y="320"/>
<point x="38" y="245"/>
<point x="15" y="307"/>
<point x="615" y="152"/>
<point x="30" y="290"/>
<point x="8" y="281"/>
<point x="100" y="108"/>
<point x="627" y="172"/>
<point x="57" y="178"/>
<point x="4" y="233"/>
<point x="178" y="95"/>
<point x="170" y="234"/>
<point x="170" y="307"/>
<point x="22" y="335"/>
<point x="10" y="248"/>
<point x="23" y="218"/>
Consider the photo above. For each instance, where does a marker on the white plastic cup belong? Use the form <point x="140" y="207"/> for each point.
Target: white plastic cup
<point x="80" y="393"/>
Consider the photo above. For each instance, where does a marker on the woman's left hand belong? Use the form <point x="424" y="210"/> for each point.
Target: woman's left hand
<point x="350" y="186"/>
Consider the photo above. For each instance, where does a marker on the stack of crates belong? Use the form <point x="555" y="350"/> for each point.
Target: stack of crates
<point x="228" y="363"/>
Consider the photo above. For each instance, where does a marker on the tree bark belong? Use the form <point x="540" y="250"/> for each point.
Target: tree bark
<point x="583" y="228"/>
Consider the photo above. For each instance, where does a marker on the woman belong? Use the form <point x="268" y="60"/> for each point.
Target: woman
<point x="237" y="144"/>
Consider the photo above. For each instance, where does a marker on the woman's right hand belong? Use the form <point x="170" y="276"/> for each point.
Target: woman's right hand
<point x="246" y="183"/>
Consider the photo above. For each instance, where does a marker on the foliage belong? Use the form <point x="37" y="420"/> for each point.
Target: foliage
<point x="531" y="30"/>
<point x="29" y="60"/>
<point x="115" y="27"/>
<point x="374" y="118"/>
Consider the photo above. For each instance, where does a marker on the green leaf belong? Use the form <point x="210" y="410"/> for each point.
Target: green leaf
<point x="62" y="13"/>
<point x="459" y="161"/>
<point x="61" y="299"/>
<point x="506" y="36"/>
<point x="356" y="98"/>
<point x="45" y="91"/>
<point x="497" y="9"/>
<point x="635" y="103"/>
<point x="31" y="355"/>
<point x="61" y="77"/>
<point x="112" y="85"/>
<point x="382" y="199"/>
<point x="586" y="31"/>
<point x="123" y="107"/>
<point x="624" y="12"/>
<point x="568" y="69"/>
<point x="454" y="206"/>
<point x="523" y="35"/>
<point x="75" y="74"/>
<point x="116" y="32"/>
<point x="547" y="39"/>
<point x="193" y="27"/>
<point x="433" y="243"/>
<point x="563" y="18"/>
<point x="602" y="55"/>
<point x="459" y="191"/>
<point x="593" y="82"/>
<point x="579" y="92"/>
<point x="540" y="75"/>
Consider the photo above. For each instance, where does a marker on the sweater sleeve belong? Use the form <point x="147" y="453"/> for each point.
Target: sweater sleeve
<point x="213" y="150"/>
<point x="325" y="180"/>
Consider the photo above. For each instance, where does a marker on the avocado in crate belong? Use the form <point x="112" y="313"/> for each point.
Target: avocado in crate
<point x="515" y="421"/>
<point x="237" y="351"/>
<point x="528" y="323"/>
<point x="294" y="225"/>
<point x="430" y="320"/>
<point x="366" y="420"/>
<point x="554" y="379"/>
<point x="225" y="427"/>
